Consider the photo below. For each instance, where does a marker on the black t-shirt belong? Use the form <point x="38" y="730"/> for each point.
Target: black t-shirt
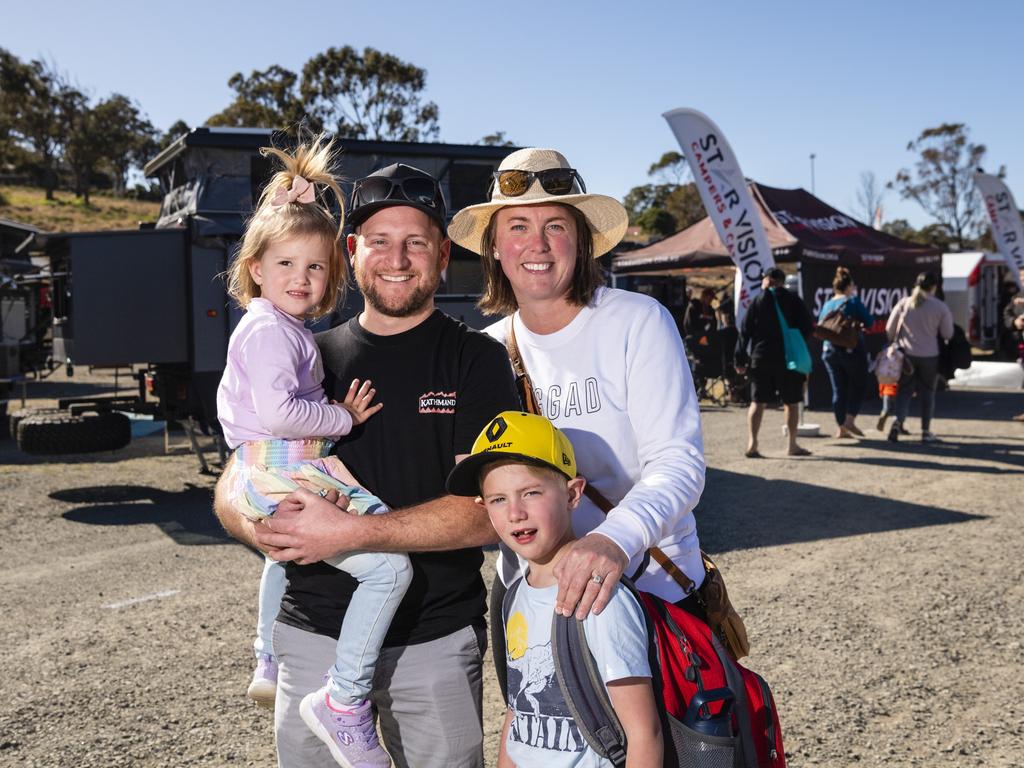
<point x="763" y="334"/>
<point x="440" y="383"/>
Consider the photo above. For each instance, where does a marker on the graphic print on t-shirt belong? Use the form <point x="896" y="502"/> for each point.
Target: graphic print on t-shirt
<point x="541" y="717"/>
<point x="437" y="402"/>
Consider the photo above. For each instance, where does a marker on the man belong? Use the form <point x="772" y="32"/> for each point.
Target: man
<point x="770" y="379"/>
<point x="440" y="383"/>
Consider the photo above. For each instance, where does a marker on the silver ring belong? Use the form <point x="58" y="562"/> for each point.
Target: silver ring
<point x="597" y="578"/>
<point x="322" y="493"/>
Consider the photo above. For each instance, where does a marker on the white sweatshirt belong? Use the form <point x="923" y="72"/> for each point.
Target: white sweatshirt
<point x="616" y="381"/>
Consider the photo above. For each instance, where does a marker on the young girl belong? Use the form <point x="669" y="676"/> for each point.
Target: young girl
<point x="275" y="413"/>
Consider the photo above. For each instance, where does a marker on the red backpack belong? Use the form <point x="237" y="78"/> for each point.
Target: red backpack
<point x="715" y="712"/>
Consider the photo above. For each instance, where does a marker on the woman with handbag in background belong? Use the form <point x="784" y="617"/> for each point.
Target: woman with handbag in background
<point x="915" y="325"/>
<point x="607" y="368"/>
<point x="843" y="352"/>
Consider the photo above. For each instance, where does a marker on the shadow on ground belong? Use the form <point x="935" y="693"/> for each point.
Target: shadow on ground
<point x="139" y="447"/>
<point x="740" y="511"/>
<point x="186" y="516"/>
<point x="961" y="403"/>
<point x="911" y="453"/>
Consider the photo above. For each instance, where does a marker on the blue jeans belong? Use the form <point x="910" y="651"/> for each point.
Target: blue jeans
<point x="383" y="580"/>
<point x="848" y="372"/>
<point x="926" y="371"/>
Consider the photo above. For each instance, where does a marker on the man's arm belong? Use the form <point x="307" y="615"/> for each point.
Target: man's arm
<point x="306" y="528"/>
<point x="237" y="525"/>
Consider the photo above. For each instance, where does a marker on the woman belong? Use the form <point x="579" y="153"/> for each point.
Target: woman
<point x="847" y="368"/>
<point x="915" y="325"/>
<point x="607" y="367"/>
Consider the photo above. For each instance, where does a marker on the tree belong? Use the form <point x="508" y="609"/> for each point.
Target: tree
<point x="496" y="139"/>
<point x="268" y="99"/>
<point x="680" y="201"/>
<point x="656" y="220"/>
<point x="933" y="235"/>
<point x="11" y="74"/>
<point x="672" y="168"/>
<point x="685" y="205"/>
<point x="86" y="141"/>
<point x="129" y="138"/>
<point x="869" y="198"/>
<point x="32" y="109"/>
<point x="942" y="179"/>
<point x="368" y="95"/>
<point x="178" y="127"/>
<point x="639" y="199"/>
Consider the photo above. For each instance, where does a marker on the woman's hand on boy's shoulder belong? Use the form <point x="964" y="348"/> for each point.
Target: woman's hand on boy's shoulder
<point x="595" y="555"/>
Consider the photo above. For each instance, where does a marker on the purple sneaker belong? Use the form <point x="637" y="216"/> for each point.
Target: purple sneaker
<point x="351" y="736"/>
<point x="263" y="688"/>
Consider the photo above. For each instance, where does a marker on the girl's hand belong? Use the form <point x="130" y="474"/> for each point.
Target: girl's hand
<point x="357" y="401"/>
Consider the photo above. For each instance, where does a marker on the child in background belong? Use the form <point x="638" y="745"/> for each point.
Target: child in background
<point x="523" y="471"/>
<point x="274" y="412"/>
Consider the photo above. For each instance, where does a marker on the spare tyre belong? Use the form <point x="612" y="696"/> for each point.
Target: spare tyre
<point x="59" y="433"/>
<point x="14" y="418"/>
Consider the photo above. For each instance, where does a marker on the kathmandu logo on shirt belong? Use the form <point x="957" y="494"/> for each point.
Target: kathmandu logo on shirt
<point x="437" y="402"/>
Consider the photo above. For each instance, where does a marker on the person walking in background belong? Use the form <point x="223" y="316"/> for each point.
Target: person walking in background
<point x="915" y="325"/>
<point x="847" y="367"/>
<point x="1013" y="319"/>
<point x="701" y="341"/>
<point x="770" y="379"/>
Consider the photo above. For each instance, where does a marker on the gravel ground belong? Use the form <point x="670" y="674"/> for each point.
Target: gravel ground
<point x="881" y="586"/>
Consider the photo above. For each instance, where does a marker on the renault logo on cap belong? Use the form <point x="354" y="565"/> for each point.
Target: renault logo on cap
<point x="496" y="429"/>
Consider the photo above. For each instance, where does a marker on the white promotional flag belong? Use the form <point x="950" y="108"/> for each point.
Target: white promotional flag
<point x="723" y="190"/>
<point x="1006" y="224"/>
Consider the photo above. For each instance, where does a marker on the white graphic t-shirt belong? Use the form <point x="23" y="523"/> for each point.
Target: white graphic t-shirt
<point x="543" y="732"/>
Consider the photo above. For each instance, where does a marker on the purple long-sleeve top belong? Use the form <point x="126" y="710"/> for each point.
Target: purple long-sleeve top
<point x="272" y="387"/>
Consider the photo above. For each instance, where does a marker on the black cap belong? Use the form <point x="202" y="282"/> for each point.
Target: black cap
<point x="774" y="273"/>
<point x="397" y="184"/>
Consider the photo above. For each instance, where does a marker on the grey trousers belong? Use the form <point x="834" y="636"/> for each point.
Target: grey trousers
<point x="428" y="696"/>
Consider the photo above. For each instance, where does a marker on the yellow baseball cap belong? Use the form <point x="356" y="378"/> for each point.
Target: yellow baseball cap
<point x="524" y="437"/>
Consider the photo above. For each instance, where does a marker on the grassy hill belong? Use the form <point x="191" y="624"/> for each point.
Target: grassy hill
<point x="66" y="213"/>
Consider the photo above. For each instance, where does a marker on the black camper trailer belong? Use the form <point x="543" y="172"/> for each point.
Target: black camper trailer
<point x="154" y="298"/>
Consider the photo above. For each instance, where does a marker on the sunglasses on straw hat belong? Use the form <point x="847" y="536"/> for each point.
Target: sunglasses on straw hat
<point x="554" y="181"/>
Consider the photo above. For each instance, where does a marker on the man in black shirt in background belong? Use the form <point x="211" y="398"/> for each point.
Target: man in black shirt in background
<point x="440" y="383"/>
<point x="771" y="381"/>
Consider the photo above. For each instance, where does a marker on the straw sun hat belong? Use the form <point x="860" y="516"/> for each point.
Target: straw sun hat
<point x="605" y="215"/>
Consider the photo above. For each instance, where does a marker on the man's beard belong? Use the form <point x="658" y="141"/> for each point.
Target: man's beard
<point x="411" y="305"/>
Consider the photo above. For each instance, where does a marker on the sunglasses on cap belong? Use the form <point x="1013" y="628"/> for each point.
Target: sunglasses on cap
<point x="554" y="181"/>
<point x="414" y="189"/>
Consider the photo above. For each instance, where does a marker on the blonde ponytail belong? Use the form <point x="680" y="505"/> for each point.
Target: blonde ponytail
<point x="279" y="216"/>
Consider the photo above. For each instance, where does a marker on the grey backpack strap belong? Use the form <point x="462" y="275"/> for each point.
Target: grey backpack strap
<point x="498" y="618"/>
<point x="501" y="604"/>
<point x="584" y="691"/>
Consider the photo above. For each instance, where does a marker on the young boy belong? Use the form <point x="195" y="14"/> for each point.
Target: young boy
<point x="523" y="472"/>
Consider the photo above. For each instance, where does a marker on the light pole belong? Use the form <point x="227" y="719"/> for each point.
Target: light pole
<point x="812" y="173"/>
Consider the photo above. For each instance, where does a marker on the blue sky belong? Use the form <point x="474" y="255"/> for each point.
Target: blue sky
<point x="850" y="82"/>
